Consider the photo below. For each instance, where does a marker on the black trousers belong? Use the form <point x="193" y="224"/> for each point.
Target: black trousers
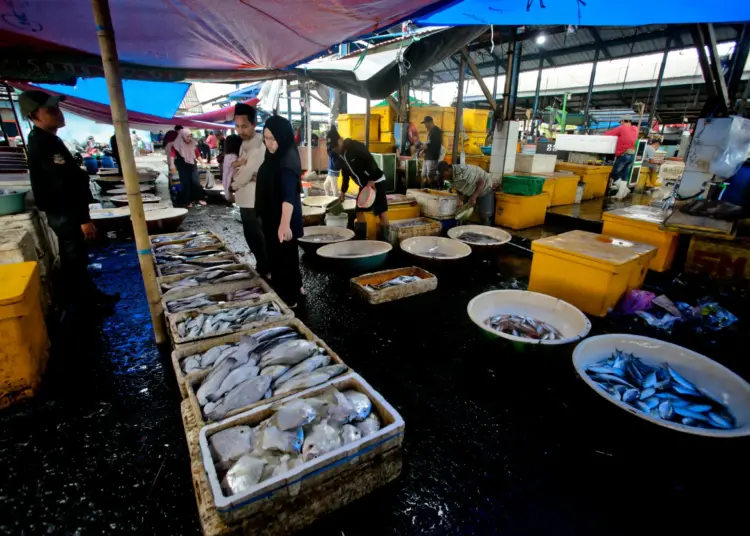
<point x="286" y="279"/>
<point x="190" y="184"/>
<point x="77" y="285"/>
<point x="255" y="239"/>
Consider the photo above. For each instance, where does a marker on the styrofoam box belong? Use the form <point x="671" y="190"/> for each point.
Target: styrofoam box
<point x="586" y="144"/>
<point x="535" y="163"/>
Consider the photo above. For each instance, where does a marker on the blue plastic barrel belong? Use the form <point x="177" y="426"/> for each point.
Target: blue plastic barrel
<point x="92" y="166"/>
<point x="107" y="162"/>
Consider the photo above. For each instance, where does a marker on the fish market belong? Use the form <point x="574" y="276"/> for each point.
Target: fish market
<point x="235" y="265"/>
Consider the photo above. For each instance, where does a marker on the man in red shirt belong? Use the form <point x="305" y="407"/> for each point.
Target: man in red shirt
<point x="626" y="134"/>
<point x="213" y="143"/>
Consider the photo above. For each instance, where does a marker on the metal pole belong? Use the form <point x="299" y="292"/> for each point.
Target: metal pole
<point x="515" y="75"/>
<point x="459" y="109"/>
<point x="432" y="83"/>
<point x="308" y="115"/>
<point x="367" y="123"/>
<point x="586" y="122"/>
<point x="739" y="59"/>
<point x="111" y="64"/>
<point x="494" y="85"/>
<point x="536" y="93"/>
<point x="9" y="90"/>
<point x="652" y="112"/>
<point x="508" y="71"/>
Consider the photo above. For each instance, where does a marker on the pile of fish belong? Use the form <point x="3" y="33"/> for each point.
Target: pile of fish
<point x="273" y="361"/>
<point x="176" y="238"/>
<point x="322" y="238"/>
<point x="203" y="257"/>
<point x="203" y="300"/>
<point x="400" y="280"/>
<point x="659" y="391"/>
<point x="299" y="431"/>
<point x="524" y="326"/>
<point x="407" y="224"/>
<point x="478" y="238"/>
<point x="216" y="275"/>
<point x="198" y="325"/>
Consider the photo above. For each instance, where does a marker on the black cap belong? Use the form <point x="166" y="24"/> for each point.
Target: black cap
<point x="332" y="138"/>
<point x="30" y="100"/>
<point x="428" y="119"/>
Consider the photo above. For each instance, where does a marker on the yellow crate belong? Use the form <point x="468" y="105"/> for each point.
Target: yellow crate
<point x="386" y="136"/>
<point x="476" y="120"/>
<point x="473" y="159"/>
<point x="23" y="334"/>
<point x="381" y="147"/>
<point x="595" y="177"/>
<point x="719" y="259"/>
<point x="353" y="126"/>
<point x="520" y="211"/>
<point x="395" y="213"/>
<point x="642" y="224"/>
<point x="474" y="142"/>
<point x="418" y="113"/>
<point x="560" y="185"/>
<point x="588" y="270"/>
<point x="387" y="117"/>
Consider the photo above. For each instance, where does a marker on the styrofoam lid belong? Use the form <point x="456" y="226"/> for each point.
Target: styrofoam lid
<point x="640" y="212"/>
<point x="594" y="247"/>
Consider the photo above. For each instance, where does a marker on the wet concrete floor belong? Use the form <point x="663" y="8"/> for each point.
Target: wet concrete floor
<point x="496" y="441"/>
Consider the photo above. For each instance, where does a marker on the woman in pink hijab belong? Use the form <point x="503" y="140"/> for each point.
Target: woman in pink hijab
<point x="185" y="153"/>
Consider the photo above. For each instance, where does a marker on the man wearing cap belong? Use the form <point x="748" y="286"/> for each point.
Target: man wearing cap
<point x="357" y="163"/>
<point x="61" y="189"/>
<point x="431" y="149"/>
<point x="626" y="134"/>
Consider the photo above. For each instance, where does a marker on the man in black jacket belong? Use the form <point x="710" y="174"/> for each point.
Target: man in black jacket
<point x="357" y="163"/>
<point x="61" y="189"/>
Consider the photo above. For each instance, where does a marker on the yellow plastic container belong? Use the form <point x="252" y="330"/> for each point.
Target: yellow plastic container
<point x="642" y="224"/>
<point x="565" y="190"/>
<point x="520" y="211"/>
<point x="353" y="126"/>
<point x="386" y="136"/>
<point x="595" y="177"/>
<point x="23" y="334"/>
<point x="387" y="118"/>
<point x="549" y="188"/>
<point x="588" y="270"/>
<point x="476" y="120"/>
<point x="381" y="147"/>
<point x="395" y="213"/>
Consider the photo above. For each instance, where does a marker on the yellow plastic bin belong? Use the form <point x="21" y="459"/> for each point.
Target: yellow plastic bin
<point x="395" y="213"/>
<point x="353" y="126"/>
<point x="595" y="177"/>
<point x="520" y="211"/>
<point x="549" y="188"/>
<point x="642" y="224"/>
<point x="565" y="190"/>
<point x="23" y="334"/>
<point x="588" y="270"/>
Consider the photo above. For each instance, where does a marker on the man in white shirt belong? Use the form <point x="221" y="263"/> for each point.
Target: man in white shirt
<point x="252" y="153"/>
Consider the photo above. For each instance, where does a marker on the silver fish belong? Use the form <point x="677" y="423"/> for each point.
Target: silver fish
<point x="244" y="394"/>
<point x="274" y="371"/>
<point x="234" y="378"/>
<point x="229" y="445"/>
<point x="308" y="365"/>
<point x="289" y="352"/>
<point x="293" y="414"/>
<point x="190" y="364"/>
<point x="362" y="404"/>
<point x="243" y="475"/>
<point x="369" y="426"/>
<point x="350" y="434"/>
<point x="212" y="382"/>
<point x="303" y="381"/>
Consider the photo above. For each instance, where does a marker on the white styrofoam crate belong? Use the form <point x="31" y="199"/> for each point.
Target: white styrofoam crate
<point x="586" y="144"/>
<point x="535" y="163"/>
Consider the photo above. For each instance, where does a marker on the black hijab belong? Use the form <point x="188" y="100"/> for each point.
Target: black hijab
<point x="268" y="190"/>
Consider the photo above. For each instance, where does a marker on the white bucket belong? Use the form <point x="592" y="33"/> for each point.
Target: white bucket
<point x="337" y="221"/>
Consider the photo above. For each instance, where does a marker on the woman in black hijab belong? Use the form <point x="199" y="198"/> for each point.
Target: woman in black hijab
<point x="279" y="207"/>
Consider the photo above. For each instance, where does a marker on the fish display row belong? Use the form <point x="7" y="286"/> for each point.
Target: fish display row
<point x="396" y="281"/>
<point x="188" y="257"/>
<point x="175" y="238"/>
<point x="524" y="326"/>
<point x="198" y="242"/>
<point x="215" y="275"/>
<point x="478" y="238"/>
<point x="408" y="224"/>
<point x="299" y="431"/>
<point x="659" y="391"/>
<point x="273" y="361"/>
<point x="203" y="300"/>
<point x="197" y="266"/>
<point x="227" y="319"/>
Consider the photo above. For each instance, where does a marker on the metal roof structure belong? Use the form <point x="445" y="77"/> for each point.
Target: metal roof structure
<point x="565" y="45"/>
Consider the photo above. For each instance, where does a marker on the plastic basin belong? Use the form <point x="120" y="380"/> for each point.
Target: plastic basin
<point x="568" y="320"/>
<point x="319" y="200"/>
<point x="12" y="203"/>
<point x="356" y="255"/>
<point x="427" y="247"/>
<point x="717" y="380"/>
<point x="309" y="246"/>
<point x="498" y="234"/>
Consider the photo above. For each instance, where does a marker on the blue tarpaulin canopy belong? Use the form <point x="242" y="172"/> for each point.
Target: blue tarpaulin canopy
<point x="585" y="12"/>
<point x="155" y="98"/>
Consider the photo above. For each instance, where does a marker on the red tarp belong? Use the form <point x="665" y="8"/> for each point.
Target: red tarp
<point x="101" y="113"/>
<point x="226" y="35"/>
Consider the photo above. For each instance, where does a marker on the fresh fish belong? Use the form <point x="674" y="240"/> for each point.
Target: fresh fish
<point x="210" y="356"/>
<point x="234" y="378"/>
<point x="266" y="335"/>
<point x="289" y="352"/>
<point x="244" y="394"/>
<point x="212" y="382"/>
<point x="271" y="438"/>
<point x="243" y="475"/>
<point x="229" y="445"/>
<point x="369" y="426"/>
<point x="274" y="371"/>
<point x="350" y="434"/>
<point x="294" y="414"/>
<point x="308" y="365"/>
<point x="230" y="319"/>
<point x="661" y="391"/>
<point x="303" y="381"/>
<point x="322" y="439"/>
<point x="362" y="404"/>
<point x="523" y="326"/>
<point x="332" y="370"/>
<point x="477" y="238"/>
<point x="190" y="364"/>
<point x="323" y="238"/>
<point x="400" y="280"/>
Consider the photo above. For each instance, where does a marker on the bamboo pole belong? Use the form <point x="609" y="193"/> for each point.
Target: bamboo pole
<point x="110" y="61"/>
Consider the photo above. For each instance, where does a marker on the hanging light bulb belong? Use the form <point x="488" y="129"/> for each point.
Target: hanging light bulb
<point x="540" y="39"/>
